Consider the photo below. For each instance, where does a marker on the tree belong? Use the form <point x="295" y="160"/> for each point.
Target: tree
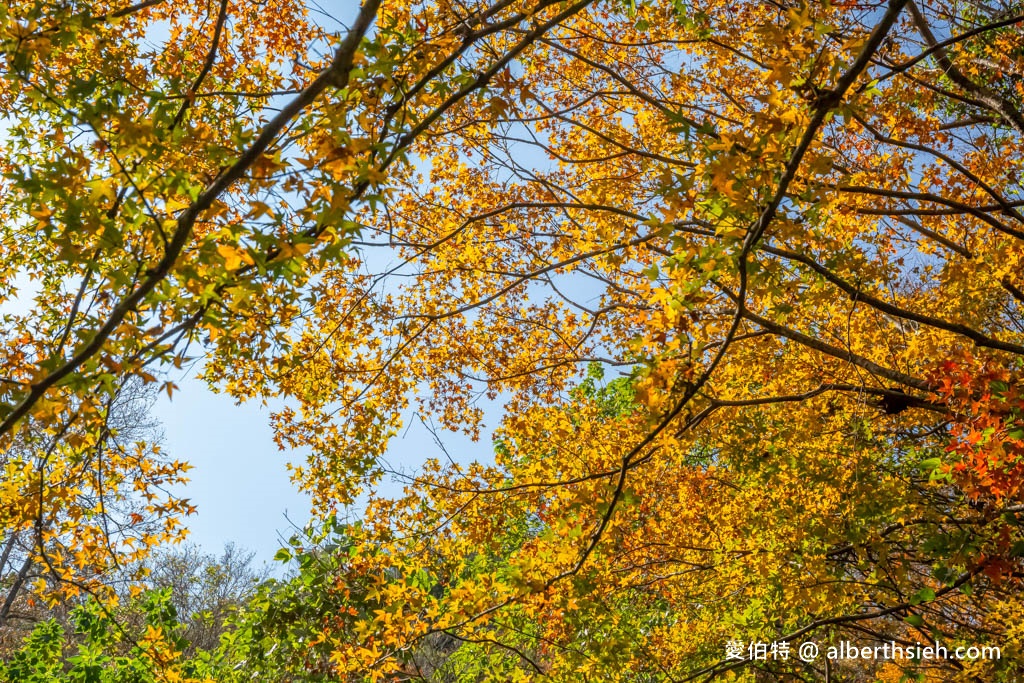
<point x="93" y="646"/>
<point x="204" y="589"/>
<point x="800" y="227"/>
<point x="168" y="624"/>
<point x="83" y="511"/>
<point x="796" y="228"/>
<point x="190" y="194"/>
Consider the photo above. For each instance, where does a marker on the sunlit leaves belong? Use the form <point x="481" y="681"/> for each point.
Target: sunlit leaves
<point x="775" y="221"/>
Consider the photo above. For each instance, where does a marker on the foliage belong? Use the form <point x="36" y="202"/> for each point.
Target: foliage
<point x="84" y="512"/>
<point x="986" y="399"/>
<point x="99" y="650"/>
<point x="795" y="228"/>
<point x="205" y="590"/>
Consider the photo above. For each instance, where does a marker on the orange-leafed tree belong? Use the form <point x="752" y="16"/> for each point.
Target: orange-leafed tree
<point x="175" y="179"/>
<point x="795" y="228"/>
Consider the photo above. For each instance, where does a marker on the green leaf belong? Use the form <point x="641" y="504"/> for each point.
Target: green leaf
<point x="924" y="595"/>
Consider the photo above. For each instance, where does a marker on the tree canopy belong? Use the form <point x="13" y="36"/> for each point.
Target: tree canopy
<point x="745" y="277"/>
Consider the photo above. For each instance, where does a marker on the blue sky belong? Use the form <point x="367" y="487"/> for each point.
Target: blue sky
<point x="239" y="481"/>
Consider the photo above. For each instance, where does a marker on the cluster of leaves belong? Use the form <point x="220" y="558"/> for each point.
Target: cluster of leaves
<point x="986" y="399"/>
<point x="96" y="648"/>
<point x="80" y="506"/>
<point x="165" y="628"/>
